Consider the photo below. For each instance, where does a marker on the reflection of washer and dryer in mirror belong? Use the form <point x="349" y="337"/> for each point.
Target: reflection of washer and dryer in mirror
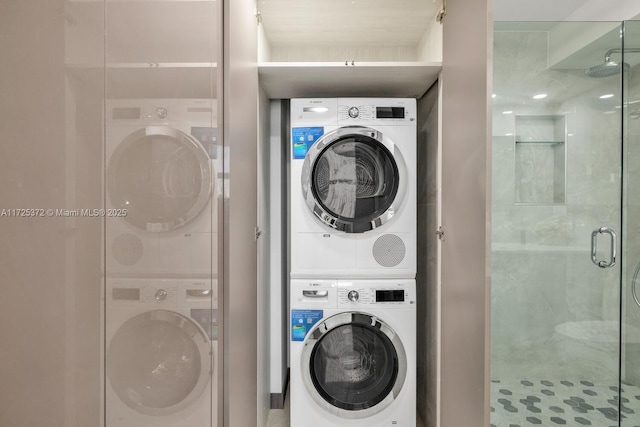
<point x="161" y="168"/>
<point x="353" y="203"/>
<point x="353" y="192"/>
<point x="161" y="345"/>
<point x="161" y="351"/>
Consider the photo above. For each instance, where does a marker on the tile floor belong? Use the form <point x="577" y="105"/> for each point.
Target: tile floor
<point x="547" y="403"/>
<point x="280" y="417"/>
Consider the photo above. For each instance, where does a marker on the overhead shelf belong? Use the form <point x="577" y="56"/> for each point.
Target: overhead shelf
<point x="153" y="80"/>
<point x="330" y="79"/>
<point x="279" y="79"/>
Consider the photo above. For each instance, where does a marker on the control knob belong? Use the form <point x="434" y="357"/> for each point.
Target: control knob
<point x="354" y="112"/>
<point x="353" y="296"/>
<point x="162" y="112"/>
<point x="161" y="295"/>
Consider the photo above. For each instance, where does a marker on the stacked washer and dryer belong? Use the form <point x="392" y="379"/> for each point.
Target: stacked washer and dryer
<point x="353" y="208"/>
<point x="161" y="293"/>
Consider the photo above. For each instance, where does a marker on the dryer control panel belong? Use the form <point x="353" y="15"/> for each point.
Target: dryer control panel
<point x="368" y="111"/>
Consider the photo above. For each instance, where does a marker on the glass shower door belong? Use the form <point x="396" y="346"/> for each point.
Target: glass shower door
<point x="556" y="225"/>
<point x="630" y="315"/>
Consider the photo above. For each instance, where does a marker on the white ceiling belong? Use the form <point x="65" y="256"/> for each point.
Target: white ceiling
<point x="347" y="22"/>
<point x="537" y="10"/>
<point x="565" y="10"/>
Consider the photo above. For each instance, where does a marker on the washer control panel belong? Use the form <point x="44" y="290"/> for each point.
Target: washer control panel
<point x="352" y="294"/>
<point x="191" y="293"/>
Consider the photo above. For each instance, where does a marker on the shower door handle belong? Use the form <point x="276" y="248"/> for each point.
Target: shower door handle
<point x="594" y="247"/>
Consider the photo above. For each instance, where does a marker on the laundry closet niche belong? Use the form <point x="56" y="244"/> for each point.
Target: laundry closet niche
<point x="330" y="49"/>
<point x="353" y="48"/>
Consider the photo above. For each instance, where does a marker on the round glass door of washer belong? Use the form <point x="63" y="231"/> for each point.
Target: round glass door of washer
<point x="354" y="365"/>
<point x="161" y="176"/>
<point x="158" y="362"/>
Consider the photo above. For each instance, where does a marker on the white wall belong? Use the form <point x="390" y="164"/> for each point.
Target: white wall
<point x="265" y="334"/>
<point x="277" y="253"/>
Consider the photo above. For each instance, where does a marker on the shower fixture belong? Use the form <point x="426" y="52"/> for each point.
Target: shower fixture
<point x="609" y="68"/>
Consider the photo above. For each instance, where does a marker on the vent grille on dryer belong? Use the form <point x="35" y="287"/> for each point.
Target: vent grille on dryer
<point x="127" y="249"/>
<point x="389" y="250"/>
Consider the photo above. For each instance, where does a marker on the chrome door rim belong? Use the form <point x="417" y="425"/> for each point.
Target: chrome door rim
<point x="327" y="326"/>
<point x="205" y="173"/>
<point x="328" y="218"/>
<point x="205" y="351"/>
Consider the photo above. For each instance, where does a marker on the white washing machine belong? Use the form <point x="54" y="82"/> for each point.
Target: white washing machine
<point x="161" y="193"/>
<point x="161" y="353"/>
<point x="353" y="345"/>
<point x="353" y="188"/>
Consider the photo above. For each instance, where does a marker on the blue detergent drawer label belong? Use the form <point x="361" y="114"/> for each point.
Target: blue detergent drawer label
<point x="303" y="138"/>
<point x="208" y="138"/>
<point x="302" y="321"/>
<point x="208" y="319"/>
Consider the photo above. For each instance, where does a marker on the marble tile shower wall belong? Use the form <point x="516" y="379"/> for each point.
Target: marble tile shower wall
<point x="632" y="228"/>
<point x="542" y="275"/>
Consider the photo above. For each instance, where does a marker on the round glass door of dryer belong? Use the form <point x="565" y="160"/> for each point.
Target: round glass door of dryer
<point x="353" y="365"/>
<point x="158" y="362"/>
<point x="161" y="176"/>
<point x="351" y="180"/>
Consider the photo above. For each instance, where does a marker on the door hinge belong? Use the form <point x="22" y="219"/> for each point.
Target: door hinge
<point x="257" y="232"/>
<point x="440" y="233"/>
<point x="442" y="12"/>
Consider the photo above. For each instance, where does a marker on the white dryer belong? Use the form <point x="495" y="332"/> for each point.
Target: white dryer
<point x="353" y="188"/>
<point x="161" y="353"/>
<point x="161" y="193"/>
<point x="353" y="345"/>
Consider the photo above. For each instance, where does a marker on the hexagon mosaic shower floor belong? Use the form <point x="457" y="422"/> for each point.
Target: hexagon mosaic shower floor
<point x="563" y="402"/>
